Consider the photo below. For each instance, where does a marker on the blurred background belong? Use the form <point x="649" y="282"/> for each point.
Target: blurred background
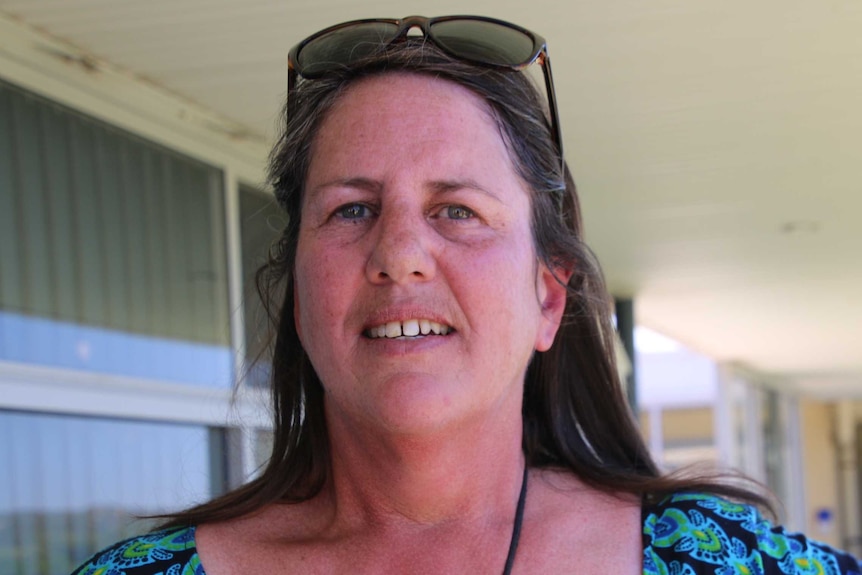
<point x="717" y="150"/>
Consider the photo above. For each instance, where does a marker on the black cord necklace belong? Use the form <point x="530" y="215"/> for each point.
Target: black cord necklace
<point x="516" y="530"/>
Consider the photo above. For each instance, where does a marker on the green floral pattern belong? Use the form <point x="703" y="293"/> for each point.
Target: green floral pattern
<point x="694" y="534"/>
<point x="170" y="552"/>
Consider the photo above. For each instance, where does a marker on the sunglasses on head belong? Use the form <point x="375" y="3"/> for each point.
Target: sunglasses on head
<point x="474" y="39"/>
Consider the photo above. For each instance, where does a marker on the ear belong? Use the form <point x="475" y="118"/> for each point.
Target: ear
<point x="551" y="290"/>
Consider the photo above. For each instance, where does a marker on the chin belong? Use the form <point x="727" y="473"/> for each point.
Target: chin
<point x="431" y="414"/>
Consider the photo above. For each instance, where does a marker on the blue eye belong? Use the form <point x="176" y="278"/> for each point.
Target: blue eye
<point x="459" y="213"/>
<point x="352" y="211"/>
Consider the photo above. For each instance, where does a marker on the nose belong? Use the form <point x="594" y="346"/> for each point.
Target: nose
<point x="404" y="249"/>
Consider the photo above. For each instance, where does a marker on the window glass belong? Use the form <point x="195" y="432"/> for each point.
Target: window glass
<point x="261" y="223"/>
<point x="774" y="444"/>
<point x="264" y="440"/>
<point x="70" y="486"/>
<point x="112" y="249"/>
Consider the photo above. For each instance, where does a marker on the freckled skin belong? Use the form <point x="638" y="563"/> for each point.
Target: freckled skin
<point x="413" y="209"/>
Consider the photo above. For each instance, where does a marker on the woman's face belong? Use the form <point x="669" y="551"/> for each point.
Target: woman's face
<point x="419" y="297"/>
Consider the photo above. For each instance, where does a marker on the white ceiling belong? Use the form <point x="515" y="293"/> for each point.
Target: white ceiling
<point x="717" y="144"/>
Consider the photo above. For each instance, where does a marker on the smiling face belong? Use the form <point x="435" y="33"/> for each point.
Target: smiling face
<point x="419" y="297"/>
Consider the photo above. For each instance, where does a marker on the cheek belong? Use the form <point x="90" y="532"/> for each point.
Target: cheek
<point x="502" y="286"/>
<point x="307" y="291"/>
<point x="322" y="296"/>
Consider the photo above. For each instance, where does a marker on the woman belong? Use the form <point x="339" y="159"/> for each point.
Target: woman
<point x="445" y="392"/>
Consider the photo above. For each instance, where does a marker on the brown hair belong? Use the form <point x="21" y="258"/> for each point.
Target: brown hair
<point x="575" y="413"/>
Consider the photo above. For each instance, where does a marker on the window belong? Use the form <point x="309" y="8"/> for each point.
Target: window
<point x="70" y="486"/>
<point x="112" y="250"/>
<point x="261" y="223"/>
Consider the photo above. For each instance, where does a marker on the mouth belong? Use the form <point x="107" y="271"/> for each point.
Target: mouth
<point x="408" y="328"/>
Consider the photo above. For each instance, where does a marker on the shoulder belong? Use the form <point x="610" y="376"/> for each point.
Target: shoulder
<point x="691" y="533"/>
<point x="169" y="551"/>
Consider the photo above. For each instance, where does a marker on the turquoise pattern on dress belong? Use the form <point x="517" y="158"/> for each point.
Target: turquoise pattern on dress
<point x="170" y="552"/>
<point x="685" y="534"/>
<point x="694" y="534"/>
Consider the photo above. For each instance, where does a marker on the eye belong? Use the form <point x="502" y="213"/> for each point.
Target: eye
<point x="458" y="213"/>
<point x="353" y="212"/>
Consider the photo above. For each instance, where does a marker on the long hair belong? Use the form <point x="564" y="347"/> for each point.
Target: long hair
<point x="575" y="414"/>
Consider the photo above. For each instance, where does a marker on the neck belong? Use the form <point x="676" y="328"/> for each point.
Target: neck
<point x="469" y="474"/>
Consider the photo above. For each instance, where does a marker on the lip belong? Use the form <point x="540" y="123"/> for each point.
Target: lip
<point x="402" y="314"/>
<point x="408" y="328"/>
<point x="406" y="311"/>
<point x="404" y="346"/>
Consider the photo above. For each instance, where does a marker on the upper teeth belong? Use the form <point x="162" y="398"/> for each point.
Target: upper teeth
<point x="408" y="328"/>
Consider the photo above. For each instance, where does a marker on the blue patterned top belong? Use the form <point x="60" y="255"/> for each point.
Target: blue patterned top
<point x="685" y="534"/>
<point x="694" y="534"/>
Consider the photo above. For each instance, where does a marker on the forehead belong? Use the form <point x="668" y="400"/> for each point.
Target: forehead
<point x="410" y="88"/>
<point x="406" y="117"/>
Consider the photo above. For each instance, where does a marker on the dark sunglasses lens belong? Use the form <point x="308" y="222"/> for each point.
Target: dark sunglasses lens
<point x="341" y="47"/>
<point x="484" y="42"/>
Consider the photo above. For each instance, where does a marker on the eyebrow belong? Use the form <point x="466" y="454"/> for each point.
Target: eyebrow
<point x="437" y="186"/>
<point x="359" y="183"/>
<point x="445" y="186"/>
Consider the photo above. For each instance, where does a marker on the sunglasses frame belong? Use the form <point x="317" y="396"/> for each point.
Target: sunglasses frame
<point x="538" y="55"/>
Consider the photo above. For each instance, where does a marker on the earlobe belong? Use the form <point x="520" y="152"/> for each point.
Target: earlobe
<point x="552" y="291"/>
